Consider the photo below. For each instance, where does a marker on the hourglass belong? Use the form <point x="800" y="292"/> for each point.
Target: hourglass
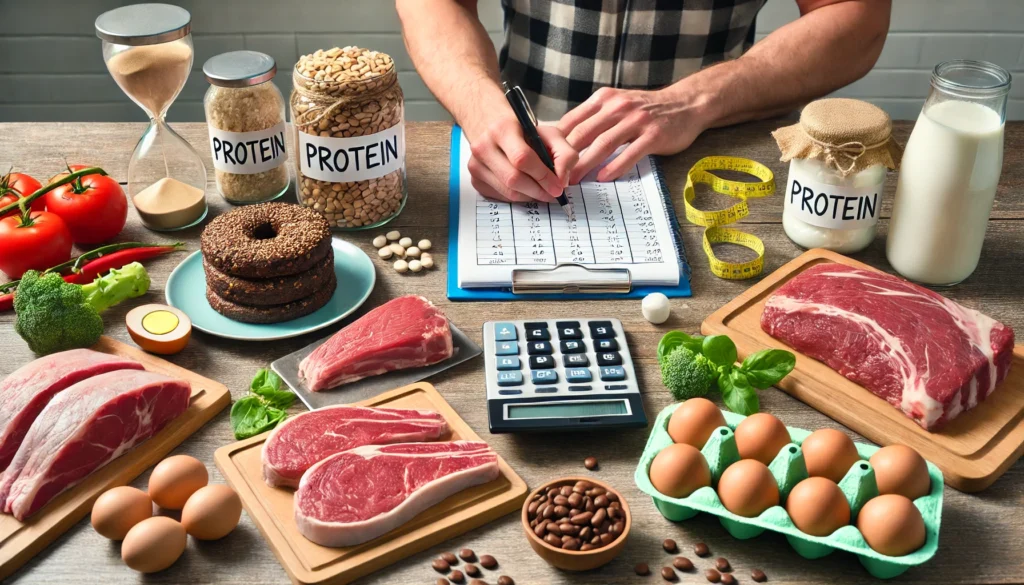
<point x="148" y="51"/>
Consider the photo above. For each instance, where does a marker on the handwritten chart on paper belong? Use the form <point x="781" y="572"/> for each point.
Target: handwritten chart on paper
<point x="619" y="224"/>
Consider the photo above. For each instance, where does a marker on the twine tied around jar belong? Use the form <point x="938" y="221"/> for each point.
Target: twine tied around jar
<point x="344" y="93"/>
<point x="851" y="151"/>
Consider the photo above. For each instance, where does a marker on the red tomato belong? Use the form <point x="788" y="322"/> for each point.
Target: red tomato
<point x="14" y="186"/>
<point x="43" y="243"/>
<point x="94" y="207"/>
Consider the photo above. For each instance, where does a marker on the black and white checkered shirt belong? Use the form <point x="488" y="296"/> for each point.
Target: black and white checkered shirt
<point x="562" y="51"/>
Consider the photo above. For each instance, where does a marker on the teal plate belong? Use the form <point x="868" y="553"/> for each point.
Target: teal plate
<point x="186" y="290"/>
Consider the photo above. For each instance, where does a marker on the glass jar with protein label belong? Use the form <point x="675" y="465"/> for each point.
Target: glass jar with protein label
<point x="348" y="113"/>
<point x="245" y="114"/>
<point x="838" y="157"/>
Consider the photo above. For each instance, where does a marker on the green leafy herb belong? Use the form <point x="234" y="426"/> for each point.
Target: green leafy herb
<point x="737" y="393"/>
<point x="263" y="408"/>
<point x="719" y="349"/>
<point x="267" y="385"/>
<point x="768" y="367"/>
<point x="673" y="339"/>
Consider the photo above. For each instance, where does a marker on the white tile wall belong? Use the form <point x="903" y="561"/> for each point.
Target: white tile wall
<point x="51" y="67"/>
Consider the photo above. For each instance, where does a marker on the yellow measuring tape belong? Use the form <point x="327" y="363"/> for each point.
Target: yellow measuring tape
<point x="702" y="173"/>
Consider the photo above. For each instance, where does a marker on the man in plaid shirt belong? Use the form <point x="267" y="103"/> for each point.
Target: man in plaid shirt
<point x="652" y="74"/>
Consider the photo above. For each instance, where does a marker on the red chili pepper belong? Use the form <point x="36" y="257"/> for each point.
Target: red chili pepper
<point x="7" y="302"/>
<point x="90" y="270"/>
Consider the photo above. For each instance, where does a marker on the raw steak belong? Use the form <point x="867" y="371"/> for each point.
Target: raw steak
<point x="25" y="392"/>
<point x="358" y="495"/>
<point x="407" y="332"/>
<point x="301" y="441"/>
<point x="85" y="427"/>
<point x="920" y="351"/>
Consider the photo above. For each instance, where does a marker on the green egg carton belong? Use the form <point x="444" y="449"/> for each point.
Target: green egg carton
<point x="788" y="468"/>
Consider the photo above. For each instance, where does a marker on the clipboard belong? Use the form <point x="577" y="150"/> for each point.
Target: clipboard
<point x="564" y="281"/>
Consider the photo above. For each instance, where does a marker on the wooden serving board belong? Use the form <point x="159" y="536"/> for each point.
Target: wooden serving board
<point x="972" y="450"/>
<point x="20" y="541"/>
<point x="308" y="563"/>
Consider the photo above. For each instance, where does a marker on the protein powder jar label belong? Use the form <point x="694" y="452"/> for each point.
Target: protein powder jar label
<point x="248" y="153"/>
<point x="841" y="207"/>
<point x="356" y="158"/>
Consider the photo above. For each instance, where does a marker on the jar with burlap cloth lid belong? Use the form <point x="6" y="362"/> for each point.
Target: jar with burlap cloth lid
<point x="348" y="112"/>
<point x="839" y="153"/>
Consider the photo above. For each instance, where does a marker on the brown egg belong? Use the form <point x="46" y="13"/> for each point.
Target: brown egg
<point x="829" y="453"/>
<point x="117" y="510"/>
<point x="747" y="488"/>
<point x="892" y="525"/>
<point x="212" y="512"/>
<point x="175" y="479"/>
<point x="761" y="436"/>
<point x="153" y="544"/>
<point x="694" y="421"/>
<point x="679" y="470"/>
<point x="817" y="506"/>
<point x="901" y="470"/>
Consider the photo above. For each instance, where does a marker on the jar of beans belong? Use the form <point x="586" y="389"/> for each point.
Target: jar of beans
<point x="348" y="112"/>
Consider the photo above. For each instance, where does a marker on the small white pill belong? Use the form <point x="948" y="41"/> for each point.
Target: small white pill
<point x="385" y="253"/>
<point x="412" y="251"/>
<point x="427" y="261"/>
<point x="401" y="265"/>
<point x="405" y="242"/>
<point x="380" y="241"/>
<point x="393" y="235"/>
<point x="415" y="265"/>
<point x="656" y="308"/>
<point x="424" y="245"/>
<point x="397" y="249"/>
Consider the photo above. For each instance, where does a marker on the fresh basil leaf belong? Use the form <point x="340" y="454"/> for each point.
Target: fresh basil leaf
<point x="673" y="339"/>
<point x="768" y="367"/>
<point x="250" y="416"/>
<point x="719" y="349"/>
<point x="737" y="393"/>
<point x="276" y="398"/>
<point x="265" y="378"/>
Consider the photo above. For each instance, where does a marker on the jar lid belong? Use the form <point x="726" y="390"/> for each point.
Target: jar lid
<point x="239" y="69"/>
<point x="144" y="24"/>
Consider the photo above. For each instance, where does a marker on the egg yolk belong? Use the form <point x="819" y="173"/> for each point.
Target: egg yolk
<point x="160" y="322"/>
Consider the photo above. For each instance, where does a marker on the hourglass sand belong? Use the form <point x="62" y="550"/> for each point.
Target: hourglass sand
<point x="148" y="50"/>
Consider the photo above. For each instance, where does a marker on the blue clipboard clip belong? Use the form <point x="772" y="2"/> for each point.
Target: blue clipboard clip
<point x="571" y="279"/>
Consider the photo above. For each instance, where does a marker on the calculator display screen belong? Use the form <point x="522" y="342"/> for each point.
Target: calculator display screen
<point x="568" y="409"/>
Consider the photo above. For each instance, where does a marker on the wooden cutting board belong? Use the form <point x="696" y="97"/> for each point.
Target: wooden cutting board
<point x="20" y="541"/>
<point x="972" y="451"/>
<point x="308" y="563"/>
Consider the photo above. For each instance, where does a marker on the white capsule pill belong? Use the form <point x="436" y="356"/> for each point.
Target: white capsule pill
<point x="405" y="242"/>
<point x="424" y="245"/>
<point x="415" y="265"/>
<point x="656" y="308"/>
<point x="427" y="261"/>
<point x="397" y="249"/>
<point x="380" y="242"/>
<point x="393" y="235"/>
<point x="385" y="253"/>
<point x="401" y="265"/>
<point x="412" y="251"/>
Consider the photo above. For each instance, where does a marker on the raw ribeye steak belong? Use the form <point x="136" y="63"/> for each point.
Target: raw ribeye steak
<point x="925" y="354"/>
<point x="85" y="427"/>
<point x="407" y="332"/>
<point x="25" y="392"/>
<point x="303" y="440"/>
<point x="358" y="495"/>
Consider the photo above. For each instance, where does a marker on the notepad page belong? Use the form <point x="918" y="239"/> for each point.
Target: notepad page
<point x="619" y="224"/>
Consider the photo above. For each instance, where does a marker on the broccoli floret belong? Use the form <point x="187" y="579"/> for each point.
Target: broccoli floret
<point x="53" y="315"/>
<point x="687" y="374"/>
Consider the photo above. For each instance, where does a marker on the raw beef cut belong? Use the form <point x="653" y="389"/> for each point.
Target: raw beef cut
<point x="85" y="427"/>
<point x="358" y="495"/>
<point x="301" y="441"/>
<point x="407" y="332"/>
<point x="25" y="392"/>
<point x="923" y="353"/>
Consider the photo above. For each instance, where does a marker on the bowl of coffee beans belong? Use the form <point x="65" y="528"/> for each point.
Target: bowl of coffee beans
<point x="576" y="523"/>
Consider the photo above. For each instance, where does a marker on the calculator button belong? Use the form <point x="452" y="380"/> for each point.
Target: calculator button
<point x="539" y="348"/>
<point x="543" y="376"/>
<point x="541" y="362"/>
<point x="576" y="360"/>
<point x="612" y="358"/>
<point x="536" y="325"/>
<point x="538" y="334"/>
<point x="508" y="392"/>
<point x="508" y="363"/>
<point x="612" y="373"/>
<point x="573" y="346"/>
<point x="506" y="348"/>
<point x="546" y="389"/>
<point x="570" y="333"/>
<point x="504" y="332"/>
<point x="606" y="345"/>
<point x="601" y="330"/>
<point x="565" y="324"/>
<point x="580" y="388"/>
<point x="616" y="387"/>
<point x="510" y="378"/>
<point x="573" y="375"/>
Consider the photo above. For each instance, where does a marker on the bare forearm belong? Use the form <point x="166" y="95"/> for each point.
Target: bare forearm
<point x="455" y="58"/>
<point x="822" y="51"/>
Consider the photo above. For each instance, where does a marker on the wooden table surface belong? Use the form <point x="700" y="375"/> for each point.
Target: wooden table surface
<point x="982" y="536"/>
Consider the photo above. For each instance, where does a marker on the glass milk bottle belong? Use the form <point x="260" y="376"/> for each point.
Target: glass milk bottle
<point x="949" y="174"/>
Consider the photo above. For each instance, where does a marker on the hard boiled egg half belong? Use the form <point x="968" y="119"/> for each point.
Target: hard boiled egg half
<point x="159" y="328"/>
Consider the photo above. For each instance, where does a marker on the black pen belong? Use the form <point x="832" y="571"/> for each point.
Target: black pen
<point x="528" y="121"/>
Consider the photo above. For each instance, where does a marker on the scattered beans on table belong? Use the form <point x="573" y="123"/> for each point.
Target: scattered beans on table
<point x="701" y="549"/>
<point x="758" y="575"/>
<point x="440" y="565"/>
<point x="682" y="563"/>
<point x="642" y="569"/>
<point x="669" y="545"/>
<point x="456" y="576"/>
<point x="728" y="579"/>
<point x="668" y="574"/>
<point x="712" y="576"/>
<point x="722" y="564"/>
<point x="488" y="562"/>
<point x="590" y="463"/>
<point x="472" y="570"/>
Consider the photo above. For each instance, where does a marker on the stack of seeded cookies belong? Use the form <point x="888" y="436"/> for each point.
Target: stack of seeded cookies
<point x="268" y="263"/>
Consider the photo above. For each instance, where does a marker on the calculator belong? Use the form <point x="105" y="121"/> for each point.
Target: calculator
<point x="560" y="375"/>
